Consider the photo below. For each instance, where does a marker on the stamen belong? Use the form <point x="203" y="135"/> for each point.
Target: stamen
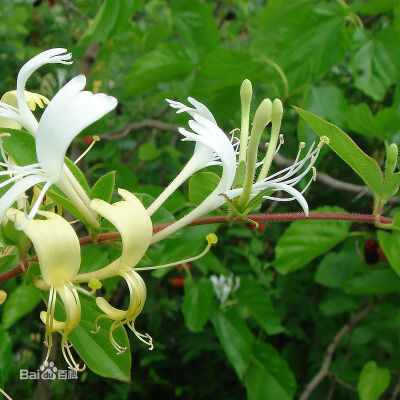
<point x="95" y="139"/>
<point x="211" y="239"/>
<point x="281" y="141"/>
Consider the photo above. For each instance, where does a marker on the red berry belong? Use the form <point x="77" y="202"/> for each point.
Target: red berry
<point x="370" y="251"/>
<point x="178" y="282"/>
<point x="51" y="3"/>
<point x="261" y="227"/>
<point x="88" y="140"/>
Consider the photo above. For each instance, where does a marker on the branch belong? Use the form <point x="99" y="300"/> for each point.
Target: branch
<point x="220" y="220"/>
<point x="324" y="370"/>
<point x="137" y="126"/>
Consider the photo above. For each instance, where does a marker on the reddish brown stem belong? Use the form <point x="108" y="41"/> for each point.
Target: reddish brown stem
<point x="223" y="219"/>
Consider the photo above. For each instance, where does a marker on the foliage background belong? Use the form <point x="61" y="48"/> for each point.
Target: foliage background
<point x="339" y="60"/>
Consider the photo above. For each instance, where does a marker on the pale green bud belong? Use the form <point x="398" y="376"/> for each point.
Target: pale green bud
<point x="246" y="92"/>
<point x="262" y="116"/>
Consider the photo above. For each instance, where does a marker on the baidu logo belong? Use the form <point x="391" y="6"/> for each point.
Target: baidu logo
<point x="48" y="371"/>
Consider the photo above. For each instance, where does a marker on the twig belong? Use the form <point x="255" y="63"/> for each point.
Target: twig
<point x="324" y="370"/>
<point x="220" y="220"/>
<point x="344" y="384"/>
<point x="70" y="6"/>
<point x="145" y="124"/>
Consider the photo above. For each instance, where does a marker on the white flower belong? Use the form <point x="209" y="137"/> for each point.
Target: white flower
<point x="223" y="286"/>
<point x="206" y="133"/>
<point x="70" y="111"/>
<point x="203" y="155"/>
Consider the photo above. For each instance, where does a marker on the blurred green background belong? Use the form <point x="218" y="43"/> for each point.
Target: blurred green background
<point x="300" y="283"/>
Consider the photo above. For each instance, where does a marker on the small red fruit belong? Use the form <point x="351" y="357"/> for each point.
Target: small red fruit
<point x="88" y="140"/>
<point x="51" y="3"/>
<point x="261" y="227"/>
<point x="178" y="282"/>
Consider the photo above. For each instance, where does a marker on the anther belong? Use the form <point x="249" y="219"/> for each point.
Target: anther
<point x="314" y="174"/>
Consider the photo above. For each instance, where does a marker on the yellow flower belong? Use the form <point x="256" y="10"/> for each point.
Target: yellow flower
<point x="134" y="224"/>
<point x="58" y="250"/>
<point x="32" y="99"/>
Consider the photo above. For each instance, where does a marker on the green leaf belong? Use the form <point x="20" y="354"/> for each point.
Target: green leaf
<point x="201" y="185"/>
<point x="373" y="282"/>
<point x="335" y="268"/>
<point x="257" y="301"/>
<point x="295" y="44"/>
<point x="78" y="174"/>
<point x="337" y="302"/>
<point x="19" y="303"/>
<point x="21" y="146"/>
<point x="96" y="350"/>
<point x="235" y="337"/>
<point x="149" y="151"/>
<point x="361" y="120"/>
<point x="6" y="354"/>
<point x="329" y="103"/>
<point x="197" y="301"/>
<point x="113" y="16"/>
<point x="305" y="240"/>
<point x="269" y="376"/>
<point x="168" y="62"/>
<point x="375" y="61"/>
<point x="32" y="273"/>
<point x="390" y="244"/>
<point x="104" y="187"/>
<point x="366" y="167"/>
<point x="190" y="18"/>
<point x="373" y="381"/>
<point x="161" y="216"/>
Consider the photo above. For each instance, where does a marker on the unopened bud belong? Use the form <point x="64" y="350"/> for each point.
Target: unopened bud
<point x="262" y="116"/>
<point x="3" y="296"/>
<point x="246" y="92"/>
<point x="277" y="111"/>
<point x="391" y="159"/>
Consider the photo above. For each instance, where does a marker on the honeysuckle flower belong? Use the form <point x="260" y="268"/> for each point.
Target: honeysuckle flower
<point x="10" y="98"/>
<point x="223" y="286"/>
<point x="134" y="224"/>
<point x="207" y="133"/>
<point x="70" y="111"/>
<point x="203" y="155"/>
<point x="58" y="250"/>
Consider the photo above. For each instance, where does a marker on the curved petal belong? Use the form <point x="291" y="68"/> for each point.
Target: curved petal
<point x="56" y="55"/>
<point x="200" y="108"/>
<point x="69" y="112"/>
<point x="56" y="245"/>
<point x="15" y="191"/>
<point x="132" y="221"/>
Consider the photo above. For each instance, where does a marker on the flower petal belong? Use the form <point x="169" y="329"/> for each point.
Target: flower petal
<point x="69" y="112"/>
<point x="56" y="245"/>
<point x="56" y="55"/>
<point x="15" y="191"/>
<point x="132" y="221"/>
